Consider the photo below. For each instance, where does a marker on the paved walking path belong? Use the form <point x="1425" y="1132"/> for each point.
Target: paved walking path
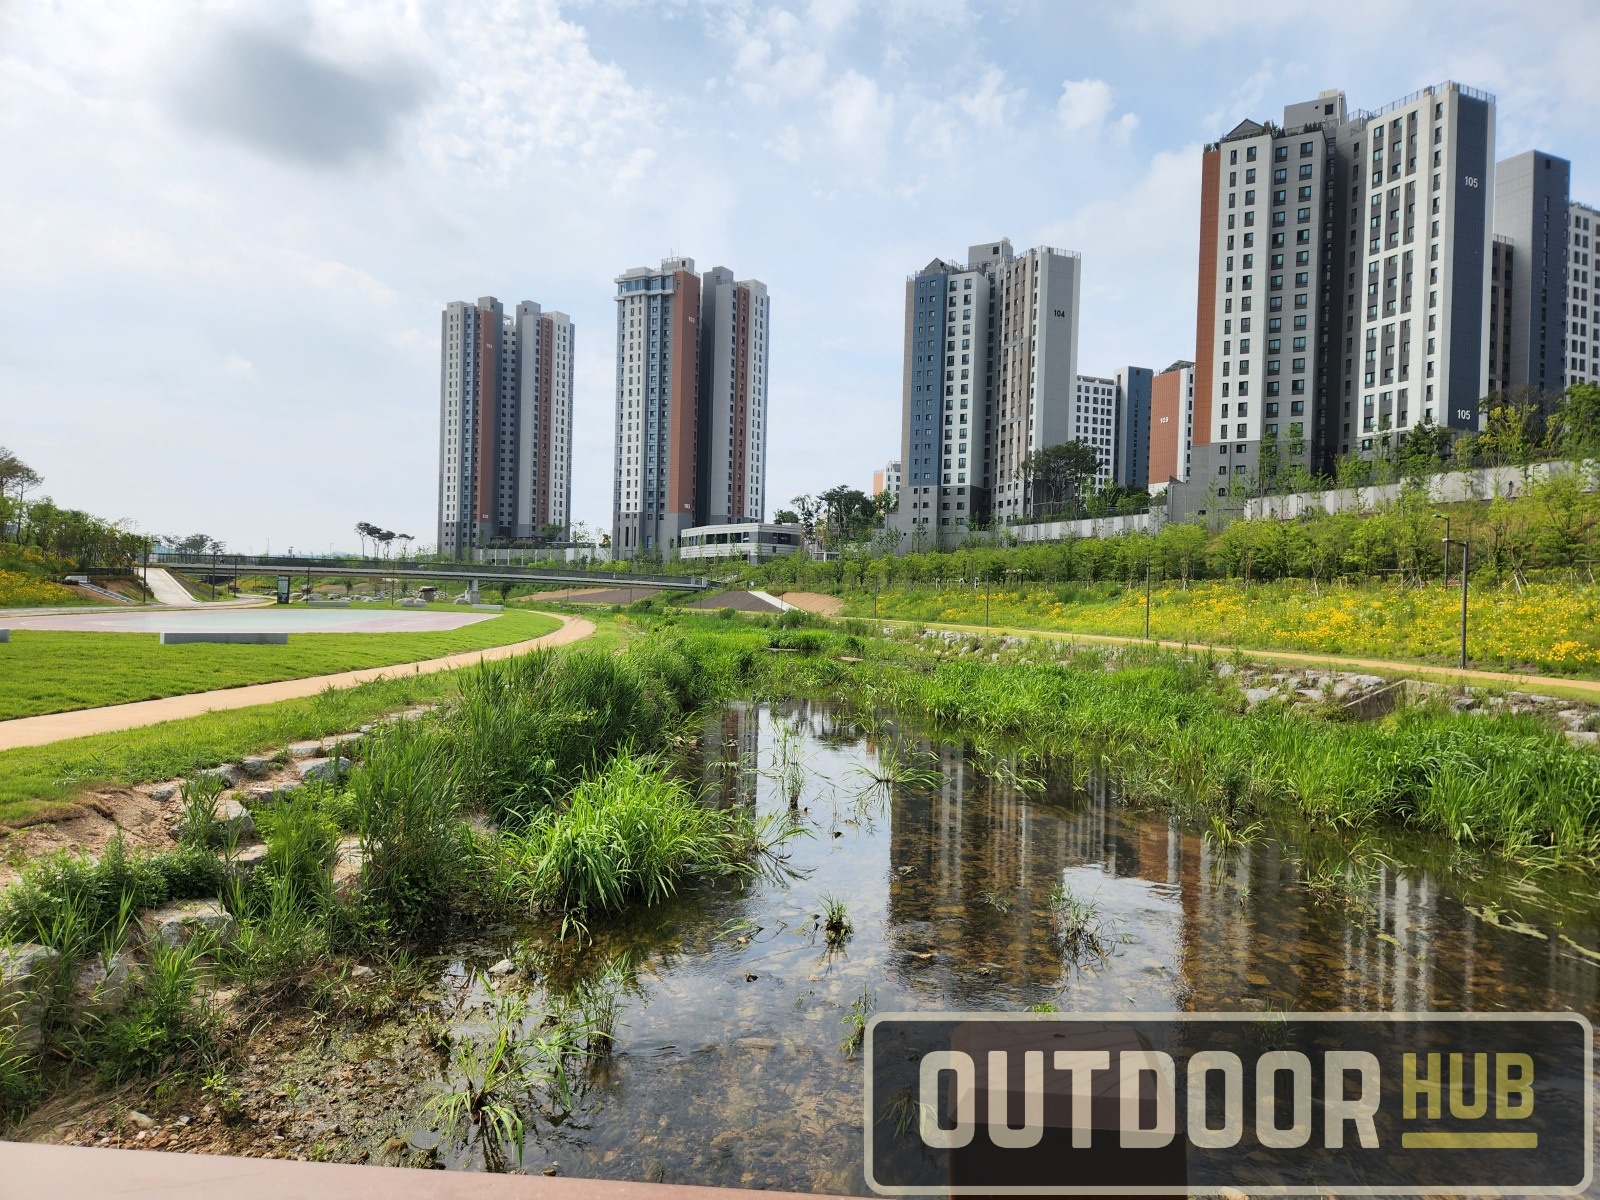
<point x="58" y="727"/>
<point x="168" y="590"/>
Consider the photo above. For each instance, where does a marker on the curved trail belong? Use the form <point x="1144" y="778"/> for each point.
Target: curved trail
<point x="58" y="727"/>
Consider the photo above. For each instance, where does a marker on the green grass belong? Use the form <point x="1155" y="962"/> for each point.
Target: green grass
<point x="39" y="780"/>
<point x="47" y="672"/>
<point x="1542" y="627"/>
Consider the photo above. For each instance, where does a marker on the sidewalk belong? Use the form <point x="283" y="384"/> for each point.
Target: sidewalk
<point x="59" y="727"/>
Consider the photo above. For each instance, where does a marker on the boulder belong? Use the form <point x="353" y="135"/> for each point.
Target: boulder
<point x="255" y="766"/>
<point x="1256" y="695"/>
<point x="246" y="859"/>
<point x="305" y="749"/>
<point x="1582" y="737"/>
<point x="163" y="792"/>
<point x="347" y="868"/>
<point x="323" y="768"/>
<point x="176" y="924"/>
<point x="102" y="986"/>
<point x="232" y="821"/>
<point x="333" y="742"/>
<point x="269" y="793"/>
<point x="27" y="975"/>
<point x="1372" y="705"/>
<point x="228" y="773"/>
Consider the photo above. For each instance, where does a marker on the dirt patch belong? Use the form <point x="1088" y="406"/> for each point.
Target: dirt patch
<point x="738" y="601"/>
<point x="87" y="825"/>
<point x="815" y="602"/>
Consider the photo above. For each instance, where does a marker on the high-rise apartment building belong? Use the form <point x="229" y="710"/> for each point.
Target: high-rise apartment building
<point x="991" y="358"/>
<point x="1094" y="422"/>
<point x="732" y="475"/>
<point x="1583" y="335"/>
<point x="1528" y="273"/>
<point x="1344" y="281"/>
<point x="887" y="480"/>
<point x="691" y="404"/>
<point x="1131" y="468"/>
<point x="505" y="424"/>
<point x="1171" y="424"/>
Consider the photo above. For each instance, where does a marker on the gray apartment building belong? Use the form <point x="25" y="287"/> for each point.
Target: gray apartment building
<point x="505" y="424"/>
<point x="1528" y="273"/>
<point x="989" y="376"/>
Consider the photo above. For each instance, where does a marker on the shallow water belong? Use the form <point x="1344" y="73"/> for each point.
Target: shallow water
<point x="729" y="1069"/>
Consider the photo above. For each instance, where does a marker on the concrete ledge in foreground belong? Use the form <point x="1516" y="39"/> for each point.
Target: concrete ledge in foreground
<point x="82" y="1173"/>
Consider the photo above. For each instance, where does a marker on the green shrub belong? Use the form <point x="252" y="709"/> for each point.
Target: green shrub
<point x="165" y="1027"/>
<point x="70" y="902"/>
<point x="629" y="832"/>
<point x="416" y="850"/>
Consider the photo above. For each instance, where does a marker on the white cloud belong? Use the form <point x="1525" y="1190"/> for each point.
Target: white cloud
<point x="238" y="367"/>
<point x="859" y="118"/>
<point x="1084" y="104"/>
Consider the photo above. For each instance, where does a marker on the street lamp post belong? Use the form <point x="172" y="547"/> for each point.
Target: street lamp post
<point x="1447" y="543"/>
<point x="1147" y="602"/>
<point x="213" y="574"/>
<point x="1464" y="562"/>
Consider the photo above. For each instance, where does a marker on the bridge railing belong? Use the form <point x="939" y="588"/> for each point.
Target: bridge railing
<point x="256" y="564"/>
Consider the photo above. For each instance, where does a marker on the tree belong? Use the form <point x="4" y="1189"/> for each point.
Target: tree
<point x="1058" y="470"/>
<point x="195" y="543"/>
<point x="16" y="475"/>
<point x="1423" y="450"/>
<point x="1575" y="427"/>
<point x="850" y="513"/>
<point x="786" y="516"/>
<point x="808" y="509"/>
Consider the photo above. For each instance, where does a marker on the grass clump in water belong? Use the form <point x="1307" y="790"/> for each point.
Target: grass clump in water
<point x="629" y="832"/>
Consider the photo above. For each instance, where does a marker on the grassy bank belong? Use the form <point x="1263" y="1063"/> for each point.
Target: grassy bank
<point x="50" y="671"/>
<point x="19" y="590"/>
<point x="37" y="781"/>
<point x="569" y="754"/>
<point x="1552" y="627"/>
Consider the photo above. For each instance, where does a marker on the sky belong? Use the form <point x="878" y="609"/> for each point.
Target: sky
<point x="227" y="230"/>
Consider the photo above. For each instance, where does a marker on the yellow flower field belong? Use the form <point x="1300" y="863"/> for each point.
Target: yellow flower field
<point x="24" y="591"/>
<point x="1548" y="625"/>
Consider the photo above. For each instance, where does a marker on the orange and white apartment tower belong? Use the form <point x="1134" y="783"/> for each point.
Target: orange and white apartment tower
<point x="691" y="437"/>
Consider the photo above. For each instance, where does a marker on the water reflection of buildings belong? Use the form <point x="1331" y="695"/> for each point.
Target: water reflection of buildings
<point x="729" y="756"/>
<point x="974" y="863"/>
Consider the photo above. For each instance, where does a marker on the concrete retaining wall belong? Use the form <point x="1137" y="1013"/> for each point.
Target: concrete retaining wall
<point x="245" y="639"/>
